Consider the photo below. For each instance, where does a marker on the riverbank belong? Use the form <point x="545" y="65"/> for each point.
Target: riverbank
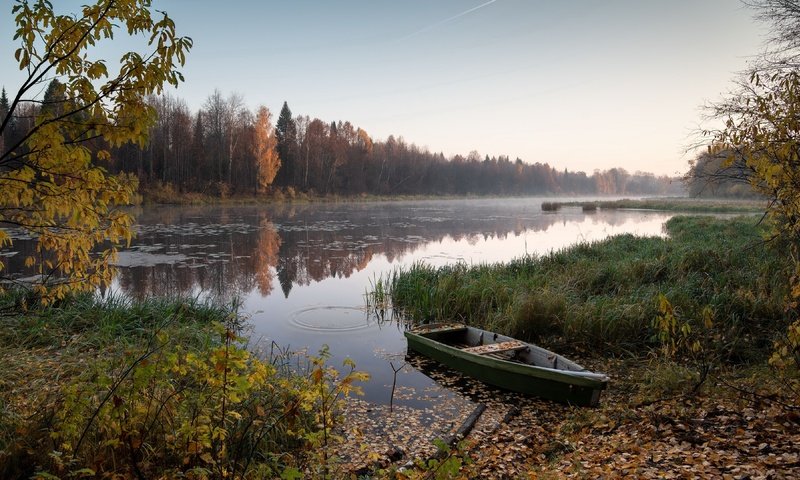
<point x="708" y="261"/>
<point x="603" y="297"/>
<point x="743" y="423"/>
<point x="161" y="388"/>
<point x="165" y="194"/>
<point x="666" y="204"/>
<point x="683" y="325"/>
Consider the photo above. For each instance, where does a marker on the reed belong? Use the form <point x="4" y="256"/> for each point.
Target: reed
<point x="602" y="296"/>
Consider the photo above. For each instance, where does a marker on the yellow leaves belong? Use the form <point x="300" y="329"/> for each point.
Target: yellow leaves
<point x="57" y="185"/>
<point x="708" y="317"/>
<point x="676" y="334"/>
<point x="96" y="70"/>
<point x="317" y="375"/>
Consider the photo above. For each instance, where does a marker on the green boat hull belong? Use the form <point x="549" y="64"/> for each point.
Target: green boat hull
<point x="546" y="383"/>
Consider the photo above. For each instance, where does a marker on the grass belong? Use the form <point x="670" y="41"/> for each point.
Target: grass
<point x="602" y="296"/>
<point x="671" y="204"/>
<point x="155" y="388"/>
<point x="85" y="321"/>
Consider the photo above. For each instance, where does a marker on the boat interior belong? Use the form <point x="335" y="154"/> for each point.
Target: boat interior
<point x="497" y="346"/>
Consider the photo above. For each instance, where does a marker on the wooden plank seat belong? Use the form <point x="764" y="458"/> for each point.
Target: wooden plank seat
<point x="510" y="346"/>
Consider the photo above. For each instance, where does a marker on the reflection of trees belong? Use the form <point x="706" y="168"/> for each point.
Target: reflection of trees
<point x="266" y="256"/>
<point x="232" y="251"/>
<point x="307" y="257"/>
<point x="226" y="259"/>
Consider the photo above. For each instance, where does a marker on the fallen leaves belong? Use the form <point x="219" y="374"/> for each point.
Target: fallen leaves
<point x="717" y="434"/>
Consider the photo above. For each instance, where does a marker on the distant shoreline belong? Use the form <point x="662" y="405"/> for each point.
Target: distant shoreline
<point x="660" y="203"/>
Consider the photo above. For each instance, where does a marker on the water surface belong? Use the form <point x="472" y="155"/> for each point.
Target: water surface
<point x="301" y="271"/>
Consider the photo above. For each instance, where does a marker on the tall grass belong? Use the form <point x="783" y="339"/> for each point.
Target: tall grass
<point x="602" y="296"/>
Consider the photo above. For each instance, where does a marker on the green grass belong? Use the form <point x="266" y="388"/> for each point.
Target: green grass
<point x="133" y="388"/>
<point x="602" y="296"/>
<point x="670" y="204"/>
<point x="85" y="321"/>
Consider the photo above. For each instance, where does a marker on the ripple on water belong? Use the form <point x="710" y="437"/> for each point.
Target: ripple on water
<point x="331" y="318"/>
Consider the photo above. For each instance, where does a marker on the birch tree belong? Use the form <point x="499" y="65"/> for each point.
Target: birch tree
<point x="265" y="149"/>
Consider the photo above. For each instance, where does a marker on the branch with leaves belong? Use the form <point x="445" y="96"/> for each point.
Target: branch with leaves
<point x="51" y="175"/>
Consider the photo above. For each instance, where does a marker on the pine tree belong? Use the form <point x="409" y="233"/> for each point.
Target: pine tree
<point x="286" y="132"/>
<point x="54" y="98"/>
<point x="4" y="107"/>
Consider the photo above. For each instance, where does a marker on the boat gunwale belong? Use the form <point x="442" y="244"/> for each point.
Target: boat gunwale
<point x="578" y="378"/>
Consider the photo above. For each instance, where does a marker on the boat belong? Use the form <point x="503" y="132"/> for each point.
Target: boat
<point x="507" y="363"/>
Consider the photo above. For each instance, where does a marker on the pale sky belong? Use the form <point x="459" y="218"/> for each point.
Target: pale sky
<point x="578" y="84"/>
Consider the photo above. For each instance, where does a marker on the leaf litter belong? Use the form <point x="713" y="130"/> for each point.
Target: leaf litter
<point x="717" y="433"/>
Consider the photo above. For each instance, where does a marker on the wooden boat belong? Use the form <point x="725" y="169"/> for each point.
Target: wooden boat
<point x="508" y="363"/>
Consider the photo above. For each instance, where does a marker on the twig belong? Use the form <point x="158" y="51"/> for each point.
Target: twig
<point x="759" y="396"/>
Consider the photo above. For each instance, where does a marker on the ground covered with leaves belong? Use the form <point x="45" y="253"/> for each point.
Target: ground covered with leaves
<point x="738" y="425"/>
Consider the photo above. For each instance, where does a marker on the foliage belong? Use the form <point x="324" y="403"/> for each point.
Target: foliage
<point x="602" y="296"/>
<point x="763" y="129"/>
<point x="715" y="175"/>
<point x="696" y="343"/>
<point x="217" y="145"/>
<point x="447" y="467"/>
<point x="53" y="185"/>
<point x="326" y="390"/>
<point x="266" y="155"/>
<point x="761" y="139"/>
<point x="147" y="397"/>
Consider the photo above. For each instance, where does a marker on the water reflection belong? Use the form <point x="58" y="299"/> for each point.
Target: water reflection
<point x="301" y="270"/>
<point x="226" y="252"/>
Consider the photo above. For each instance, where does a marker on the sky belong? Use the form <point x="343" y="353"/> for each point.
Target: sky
<point x="578" y="84"/>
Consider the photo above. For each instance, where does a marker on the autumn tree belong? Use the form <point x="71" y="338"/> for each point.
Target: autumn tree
<point x="265" y="151"/>
<point x="53" y="185"/>
<point x="761" y="140"/>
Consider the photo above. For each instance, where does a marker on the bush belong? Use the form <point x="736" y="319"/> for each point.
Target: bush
<point x="153" y="390"/>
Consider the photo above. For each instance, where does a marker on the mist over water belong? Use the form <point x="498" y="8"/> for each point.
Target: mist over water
<point x="301" y="271"/>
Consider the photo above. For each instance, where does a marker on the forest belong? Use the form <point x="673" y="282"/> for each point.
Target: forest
<point x="225" y="148"/>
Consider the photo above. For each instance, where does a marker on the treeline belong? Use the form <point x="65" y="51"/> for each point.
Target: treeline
<point x="720" y="174"/>
<point x="225" y="148"/>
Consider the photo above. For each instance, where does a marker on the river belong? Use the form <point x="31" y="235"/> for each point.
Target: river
<point x="301" y="271"/>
